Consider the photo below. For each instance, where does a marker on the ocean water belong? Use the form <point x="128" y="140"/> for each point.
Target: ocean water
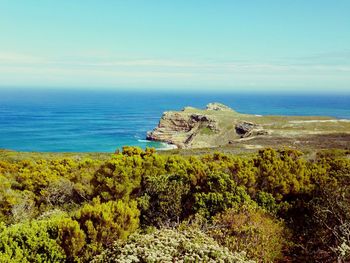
<point x="102" y="121"/>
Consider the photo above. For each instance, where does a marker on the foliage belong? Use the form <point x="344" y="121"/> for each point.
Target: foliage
<point x="328" y="226"/>
<point x="250" y="228"/>
<point x="104" y="223"/>
<point x="163" y="199"/>
<point x="103" y="200"/>
<point x="118" y="177"/>
<point x="170" y="245"/>
<point x="217" y="193"/>
<point x="30" y="242"/>
<point x="71" y="238"/>
<point x="281" y="173"/>
<point x="269" y="203"/>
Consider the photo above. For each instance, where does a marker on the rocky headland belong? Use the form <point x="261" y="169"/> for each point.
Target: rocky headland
<point x="219" y="125"/>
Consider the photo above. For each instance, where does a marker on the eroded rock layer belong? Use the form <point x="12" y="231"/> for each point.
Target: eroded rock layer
<point x="193" y="128"/>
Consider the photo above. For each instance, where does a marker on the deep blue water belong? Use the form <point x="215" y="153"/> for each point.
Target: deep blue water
<point x="86" y="121"/>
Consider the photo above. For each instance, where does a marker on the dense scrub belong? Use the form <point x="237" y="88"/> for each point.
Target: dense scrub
<point x="271" y="206"/>
<point x="171" y="245"/>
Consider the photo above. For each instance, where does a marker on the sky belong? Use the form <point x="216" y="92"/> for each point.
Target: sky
<point x="255" y="45"/>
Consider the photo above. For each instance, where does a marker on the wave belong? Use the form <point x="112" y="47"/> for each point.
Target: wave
<point x="167" y="146"/>
<point x="140" y="140"/>
<point x="162" y="145"/>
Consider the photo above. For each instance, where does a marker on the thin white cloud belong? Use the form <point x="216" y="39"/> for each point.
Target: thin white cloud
<point x="21" y="69"/>
<point x="19" y="58"/>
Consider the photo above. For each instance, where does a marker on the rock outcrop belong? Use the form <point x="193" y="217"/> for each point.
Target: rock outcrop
<point x="246" y="129"/>
<point x="180" y="128"/>
<point x="219" y="125"/>
<point x="218" y="107"/>
<point x="195" y="128"/>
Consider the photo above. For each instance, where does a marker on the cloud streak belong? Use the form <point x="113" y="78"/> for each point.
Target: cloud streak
<point x="20" y="69"/>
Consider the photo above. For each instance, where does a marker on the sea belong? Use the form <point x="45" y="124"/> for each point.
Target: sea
<point x="82" y="120"/>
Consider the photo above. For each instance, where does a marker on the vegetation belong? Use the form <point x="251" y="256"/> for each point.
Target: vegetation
<point x="271" y="206"/>
<point x="171" y="245"/>
<point x="252" y="229"/>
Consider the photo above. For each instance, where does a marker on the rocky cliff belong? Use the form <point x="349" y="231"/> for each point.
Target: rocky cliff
<point x="219" y="125"/>
<point x="195" y="128"/>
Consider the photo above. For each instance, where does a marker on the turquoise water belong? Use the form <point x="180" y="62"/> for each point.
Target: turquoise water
<point x="87" y="121"/>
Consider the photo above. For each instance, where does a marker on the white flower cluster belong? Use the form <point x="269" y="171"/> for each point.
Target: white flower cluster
<point x="171" y="245"/>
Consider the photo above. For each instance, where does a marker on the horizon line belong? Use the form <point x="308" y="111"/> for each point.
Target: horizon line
<point x="182" y="89"/>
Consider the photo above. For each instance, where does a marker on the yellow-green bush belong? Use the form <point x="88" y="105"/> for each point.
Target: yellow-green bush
<point x="30" y="242"/>
<point x="170" y="189"/>
<point x="250" y="228"/>
<point x="103" y="223"/>
<point x="217" y="193"/>
<point x="71" y="238"/>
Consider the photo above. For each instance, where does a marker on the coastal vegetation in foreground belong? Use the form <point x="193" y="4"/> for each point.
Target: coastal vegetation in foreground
<point x="139" y="206"/>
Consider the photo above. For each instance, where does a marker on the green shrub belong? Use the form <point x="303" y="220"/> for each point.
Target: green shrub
<point x="216" y="193"/>
<point x="251" y="229"/>
<point x="170" y="245"/>
<point x="268" y="202"/>
<point x="119" y="177"/>
<point x="163" y="199"/>
<point x="30" y="242"/>
<point x="103" y="223"/>
<point x="71" y="238"/>
<point x="282" y="173"/>
<point x="311" y="195"/>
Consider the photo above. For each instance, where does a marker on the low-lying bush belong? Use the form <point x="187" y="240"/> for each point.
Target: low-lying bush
<point x="168" y="246"/>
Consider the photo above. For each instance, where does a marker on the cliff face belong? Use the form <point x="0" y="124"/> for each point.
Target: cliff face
<point x="219" y="125"/>
<point x="194" y="128"/>
<point x="182" y="128"/>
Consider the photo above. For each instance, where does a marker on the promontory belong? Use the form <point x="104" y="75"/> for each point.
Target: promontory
<point x="219" y="125"/>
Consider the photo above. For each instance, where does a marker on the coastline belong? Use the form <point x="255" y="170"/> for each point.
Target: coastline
<point x="49" y="123"/>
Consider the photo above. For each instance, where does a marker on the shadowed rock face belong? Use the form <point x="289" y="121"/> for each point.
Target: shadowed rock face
<point x="244" y="129"/>
<point x="219" y="125"/>
<point x="181" y="128"/>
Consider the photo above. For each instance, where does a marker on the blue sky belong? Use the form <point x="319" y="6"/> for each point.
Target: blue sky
<point x="185" y="44"/>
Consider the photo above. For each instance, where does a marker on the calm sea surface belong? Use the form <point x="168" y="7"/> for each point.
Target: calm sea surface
<point x="87" y="121"/>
